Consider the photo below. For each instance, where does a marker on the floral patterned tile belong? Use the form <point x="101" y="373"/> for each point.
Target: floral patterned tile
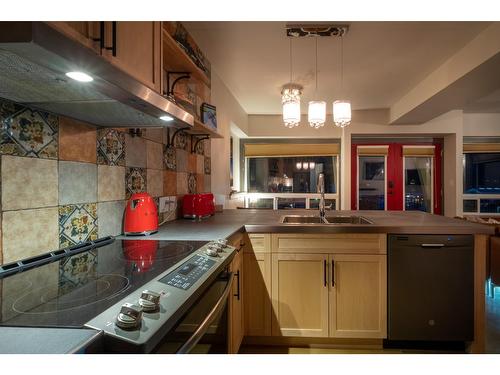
<point x="169" y="159"/>
<point x="110" y="147"/>
<point x="135" y="181"/>
<point x="200" y="148"/>
<point x="192" y="183"/>
<point x="27" y="132"/>
<point x="181" y="140"/>
<point x="77" y="224"/>
<point x="208" y="166"/>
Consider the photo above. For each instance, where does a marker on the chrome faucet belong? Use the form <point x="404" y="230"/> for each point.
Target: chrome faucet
<point x="321" y="190"/>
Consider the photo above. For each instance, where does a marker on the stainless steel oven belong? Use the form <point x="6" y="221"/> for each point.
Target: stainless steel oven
<point x="204" y="327"/>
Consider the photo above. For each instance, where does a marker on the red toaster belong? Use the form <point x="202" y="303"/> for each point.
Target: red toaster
<point x="198" y="206"/>
<point x="141" y="215"/>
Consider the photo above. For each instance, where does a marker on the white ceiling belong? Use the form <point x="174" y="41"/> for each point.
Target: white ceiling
<point x="382" y="60"/>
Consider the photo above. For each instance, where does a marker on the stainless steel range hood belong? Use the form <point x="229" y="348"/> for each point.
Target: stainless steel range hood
<point x="34" y="59"/>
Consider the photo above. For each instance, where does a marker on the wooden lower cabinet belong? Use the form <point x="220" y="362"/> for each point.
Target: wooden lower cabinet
<point x="357" y="298"/>
<point x="236" y="322"/>
<point x="300" y="294"/>
<point x="329" y="285"/>
<point x="257" y="293"/>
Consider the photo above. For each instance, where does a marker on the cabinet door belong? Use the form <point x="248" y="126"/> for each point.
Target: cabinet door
<point x="236" y="327"/>
<point x="358" y="295"/>
<point x="257" y="293"/>
<point x="137" y="50"/>
<point x="84" y="32"/>
<point x="300" y="294"/>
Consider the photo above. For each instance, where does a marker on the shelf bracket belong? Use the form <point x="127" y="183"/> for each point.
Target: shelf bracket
<point x="171" y="86"/>
<point x="170" y="141"/>
<point x="201" y="138"/>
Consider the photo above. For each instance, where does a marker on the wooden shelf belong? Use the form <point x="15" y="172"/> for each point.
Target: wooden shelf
<point x="200" y="128"/>
<point x="176" y="59"/>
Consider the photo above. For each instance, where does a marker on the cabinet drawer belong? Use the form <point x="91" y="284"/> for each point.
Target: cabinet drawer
<point x="261" y="243"/>
<point x="364" y="243"/>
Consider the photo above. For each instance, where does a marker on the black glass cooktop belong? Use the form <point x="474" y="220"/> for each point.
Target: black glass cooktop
<point x="72" y="290"/>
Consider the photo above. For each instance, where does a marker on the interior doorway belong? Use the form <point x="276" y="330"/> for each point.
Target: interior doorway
<point x="396" y="176"/>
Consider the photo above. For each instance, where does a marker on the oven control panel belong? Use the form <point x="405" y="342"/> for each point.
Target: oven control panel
<point x="186" y="275"/>
<point x="138" y="322"/>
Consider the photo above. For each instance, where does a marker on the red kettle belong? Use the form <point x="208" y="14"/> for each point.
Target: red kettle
<point x="141" y="215"/>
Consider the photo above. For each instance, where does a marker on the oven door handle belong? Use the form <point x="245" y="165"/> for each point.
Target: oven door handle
<point x="202" y="329"/>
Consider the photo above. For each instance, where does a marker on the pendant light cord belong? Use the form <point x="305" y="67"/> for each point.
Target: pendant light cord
<point x="341" y="65"/>
<point x="291" y="66"/>
<point x="316" y="90"/>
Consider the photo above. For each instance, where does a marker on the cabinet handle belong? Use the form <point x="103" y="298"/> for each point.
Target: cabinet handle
<point x="237" y="295"/>
<point x="101" y="35"/>
<point x="113" y="39"/>
<point x="333" y="273"/>
<point x="324" y="273"/>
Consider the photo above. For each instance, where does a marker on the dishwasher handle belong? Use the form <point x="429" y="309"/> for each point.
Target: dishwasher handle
<point x="432" y="245"/>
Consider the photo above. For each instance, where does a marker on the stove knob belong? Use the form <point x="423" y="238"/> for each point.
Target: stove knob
<point x="215" y="247"/>
<point x="222" y="242"/>
<point x="149" y="301"/>
<point x="212" y="252"/>
<point x="130" y="316"/>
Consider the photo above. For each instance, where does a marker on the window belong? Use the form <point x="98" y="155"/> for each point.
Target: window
<point x="481" y="183"/>
<point x="291" y="174"/>
<point x="287" y="172"/>
<point x="482" y="173"/>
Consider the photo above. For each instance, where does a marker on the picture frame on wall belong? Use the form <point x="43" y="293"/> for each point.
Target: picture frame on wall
<point x="209" y="115"/>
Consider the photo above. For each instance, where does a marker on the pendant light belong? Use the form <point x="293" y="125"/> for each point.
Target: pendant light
<point x="341" y="108"/>
<point x="290" y="99"/>
<point x="317" y="108"/>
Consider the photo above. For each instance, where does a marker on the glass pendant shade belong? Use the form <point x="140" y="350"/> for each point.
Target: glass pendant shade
<point x="317" y="114"/>
<point x="298" y="165"/>
<point x="290" y="98"/>
<point x="341" y="113"/>
<point x="312" y="165"/>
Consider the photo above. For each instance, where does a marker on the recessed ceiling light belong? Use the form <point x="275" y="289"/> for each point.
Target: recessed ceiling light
<point x="80" y="76"/>
<point x="166" y="118"/>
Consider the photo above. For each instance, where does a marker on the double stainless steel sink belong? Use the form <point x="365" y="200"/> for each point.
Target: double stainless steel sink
<point x="310" y="219"/>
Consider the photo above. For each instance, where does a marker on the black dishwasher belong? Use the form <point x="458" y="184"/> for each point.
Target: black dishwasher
<point x="431" y="288"/>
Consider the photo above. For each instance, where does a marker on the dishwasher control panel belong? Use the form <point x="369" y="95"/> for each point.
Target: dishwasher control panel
<point x="190" y="272"/>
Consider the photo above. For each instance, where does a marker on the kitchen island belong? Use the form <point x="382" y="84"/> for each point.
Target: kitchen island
<point x="293" y="273"/>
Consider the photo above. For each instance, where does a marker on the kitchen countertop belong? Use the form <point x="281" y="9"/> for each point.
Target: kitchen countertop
<point x="224" y="224"/>
<point x="26" y="340"/>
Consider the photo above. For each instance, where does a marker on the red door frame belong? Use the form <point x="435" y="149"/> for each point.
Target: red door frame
<point x="395" y="174"/>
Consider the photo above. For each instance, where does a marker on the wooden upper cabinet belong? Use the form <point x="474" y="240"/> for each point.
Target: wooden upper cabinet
<point x="84" y="32"/>
<point x="135" y="48"/>
<point x="300" y="294"/>
<point x="358" y="296"/>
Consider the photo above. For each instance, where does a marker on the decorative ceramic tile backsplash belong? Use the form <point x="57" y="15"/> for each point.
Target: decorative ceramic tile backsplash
<point x="64" y="182"/>
<point x="27" y="132"/>
<point x="110" y="147"/>
<point x="135" y="181"/>
<point x="169" y="158"/>
<point x="77" y="224"/>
